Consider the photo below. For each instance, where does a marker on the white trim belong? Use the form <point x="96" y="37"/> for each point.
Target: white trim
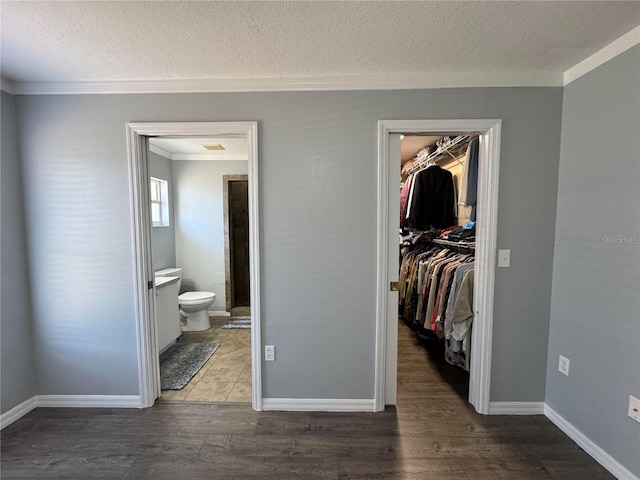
<point x="72" y="401"/>
<point x="196" y="156"/>
<point x="382" y="379"/>
<point x="390" y="81"/>
<point x="254" y="267"/>
<point x="18" y="412"/>
<point x="516" y="408"/>
<point x="318" y="405"/>
<point x="486" y="244"/>
<point x="219" y="313"/>
<point x="98" y="401"/>
<point x="148" y="370"/>
<point x="138" y="134"/>
<point x="487" y="212"/>
<point x="599" y="455"/>
<point x="615" y="48"/>
<point x="7" y="86"/>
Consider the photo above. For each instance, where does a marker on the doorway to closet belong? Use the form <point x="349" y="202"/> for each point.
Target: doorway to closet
<point x="389" y="164"/>
<point x="196" y="275"/>
<point x="437" y="225"/>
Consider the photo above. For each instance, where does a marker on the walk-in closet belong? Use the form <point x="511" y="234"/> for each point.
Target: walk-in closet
<point x="437" y="232"/>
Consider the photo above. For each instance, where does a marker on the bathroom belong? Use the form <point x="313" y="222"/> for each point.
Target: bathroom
<point x="192" y="199"/>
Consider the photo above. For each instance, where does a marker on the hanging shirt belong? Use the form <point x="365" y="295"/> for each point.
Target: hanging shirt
<point x="468" y="196"/>
<point x="463" y="311"/>
<point x="404" y="199"/>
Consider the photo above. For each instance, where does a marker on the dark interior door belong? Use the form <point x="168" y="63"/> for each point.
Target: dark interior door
<point x="239" y="240"/>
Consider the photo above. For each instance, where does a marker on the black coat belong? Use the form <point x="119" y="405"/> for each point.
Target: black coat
<point x="433" y="199"/>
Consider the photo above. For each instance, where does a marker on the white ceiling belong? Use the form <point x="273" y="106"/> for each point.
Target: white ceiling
<point x="191" y="148"/>
<point x="132" y="41"/>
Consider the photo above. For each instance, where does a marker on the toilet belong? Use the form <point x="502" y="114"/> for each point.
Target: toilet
<point x="193" y="305"/>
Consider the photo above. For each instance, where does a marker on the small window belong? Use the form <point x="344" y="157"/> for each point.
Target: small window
<point x="159" y="190"/>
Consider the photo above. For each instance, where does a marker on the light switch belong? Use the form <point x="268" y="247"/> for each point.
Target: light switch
<point x="504" y="258"/>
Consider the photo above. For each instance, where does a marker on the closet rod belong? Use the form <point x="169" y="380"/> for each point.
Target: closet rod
<point x="459" y="141"/>
<point x="470" y="246"/>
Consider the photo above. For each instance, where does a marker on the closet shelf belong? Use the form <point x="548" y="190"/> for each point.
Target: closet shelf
<point x="454" y="149"/>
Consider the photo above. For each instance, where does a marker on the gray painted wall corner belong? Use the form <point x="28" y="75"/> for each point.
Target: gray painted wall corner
<point x="596" y="277"/>
<point x="18" y="373"/>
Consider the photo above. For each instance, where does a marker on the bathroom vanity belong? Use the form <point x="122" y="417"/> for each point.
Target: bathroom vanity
<point x="167" y="314"/>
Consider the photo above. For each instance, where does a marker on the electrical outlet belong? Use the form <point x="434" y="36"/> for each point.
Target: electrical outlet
<point x="634" y="408"/>
<point x="269" y="353"/>
<point x="563" y="365"/>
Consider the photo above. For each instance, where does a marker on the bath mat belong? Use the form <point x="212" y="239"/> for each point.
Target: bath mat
<point x="238" y="322"/>
<point x="181" y="361"/>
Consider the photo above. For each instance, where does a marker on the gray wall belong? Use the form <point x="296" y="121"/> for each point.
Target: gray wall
<point x="595" y="310"/>
<point x="163" y="239"/>
<point x="17" y="369"/>
<point x="317" y="179"/>
<point x="200" y="223"/>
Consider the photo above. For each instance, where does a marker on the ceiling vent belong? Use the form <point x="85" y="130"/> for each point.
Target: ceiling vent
<point x="213" y="146"/>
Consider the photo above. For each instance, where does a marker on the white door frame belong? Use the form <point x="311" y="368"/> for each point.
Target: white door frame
<point x="486" y="237"/>
<point x="137" y="142"/>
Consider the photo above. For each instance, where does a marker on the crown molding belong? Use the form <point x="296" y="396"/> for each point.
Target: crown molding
<point x="338" y="82"/>
<point x="209" y="156"/>
<point x="615" y="48"/>
<point x="195" y="156"/>
<point x="160" y="151"/>
<point x="7" y="86"/>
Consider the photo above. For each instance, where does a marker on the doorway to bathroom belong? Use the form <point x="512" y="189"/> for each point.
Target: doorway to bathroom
<point x="191" y="251"/>
<point x="200" y="238"/>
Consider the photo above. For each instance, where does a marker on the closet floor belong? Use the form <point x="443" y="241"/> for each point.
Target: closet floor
<point x="442" y="437"/>
<point x="432" y="434"/>
<point x="226" y="377"/>
<point x="425" y="376"/>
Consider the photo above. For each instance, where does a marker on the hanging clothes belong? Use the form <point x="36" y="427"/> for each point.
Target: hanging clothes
<point x="468" y="195"/>
<point x="432" y="199"/>
<point x="436" y="296"/>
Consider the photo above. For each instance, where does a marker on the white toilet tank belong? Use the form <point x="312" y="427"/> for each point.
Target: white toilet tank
<point x="171" y="272"/>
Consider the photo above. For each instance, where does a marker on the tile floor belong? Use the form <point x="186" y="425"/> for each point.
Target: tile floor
<point x="226" y="377"/>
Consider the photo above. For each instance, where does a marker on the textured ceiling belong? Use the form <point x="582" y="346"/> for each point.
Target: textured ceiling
<point x="128" y="41"/>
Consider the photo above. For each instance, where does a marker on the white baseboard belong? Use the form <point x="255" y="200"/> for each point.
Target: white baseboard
<point x="599" y="455"/>
<point x="99" y="401"/>
<point x="318" y="405"/>
<point x="61" y="401"/>
<point x="516" y="408"/>
<point x="219" y="313"/>
<point x="18" y="412"/>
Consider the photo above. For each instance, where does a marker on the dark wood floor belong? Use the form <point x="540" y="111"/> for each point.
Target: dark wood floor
<point x="431" y="434"/>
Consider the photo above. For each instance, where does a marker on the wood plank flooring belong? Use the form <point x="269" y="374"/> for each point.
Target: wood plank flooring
<point x="432" y="433"/>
